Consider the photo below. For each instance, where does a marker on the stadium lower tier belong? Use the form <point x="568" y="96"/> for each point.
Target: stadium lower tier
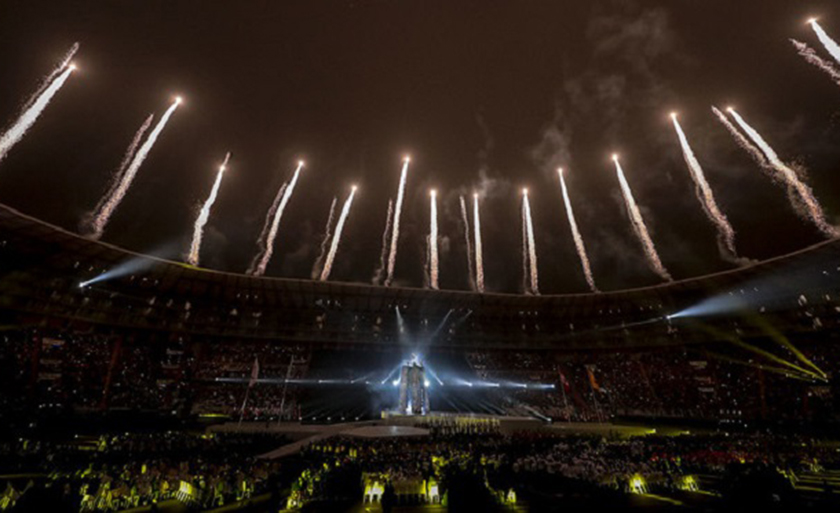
<point x="44" y="370"/>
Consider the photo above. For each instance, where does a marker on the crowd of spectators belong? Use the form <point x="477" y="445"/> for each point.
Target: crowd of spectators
<point x="112" y="473"/>
<point x="49" y="369"/>
<point x="535" y="462"/>
<point x="201" y="469"/>
<point x="680" y="382"/>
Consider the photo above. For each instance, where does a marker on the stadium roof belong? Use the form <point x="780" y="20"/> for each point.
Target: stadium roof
<point x="43" y="265"/>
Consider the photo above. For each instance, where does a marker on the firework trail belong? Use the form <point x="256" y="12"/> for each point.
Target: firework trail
<point x="581" y="249"/>
<point x="269" y="217"/>
<point x="107" y="206"/>
<point x="524" y="250"/>
<point x="16" y="132"/>
<point x="204" y="215"/>
<point x="745" y="144"/>
<point x="725" y="235"/>
<point x="801" y="196"/>
<point x="479" y="253"/>
<point x="316" y="269"/>
<point x="262" y="258"/>
<point x="377" y="275"/>
<point x="65" y="63"/>
<point x="395" y="229"/>
<point x="434" y="258"/>
<point x="639" y="224"/>
<point x="466" y="221"/>
<point x="811" y="57"/>
<point x="339" y="227"/>
<point x="827" y="42"/>
<point x="87" y="221"/>
<point x="532" y="247"/>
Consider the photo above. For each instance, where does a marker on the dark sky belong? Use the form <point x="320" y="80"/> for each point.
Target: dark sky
<point x="488" y="95"/>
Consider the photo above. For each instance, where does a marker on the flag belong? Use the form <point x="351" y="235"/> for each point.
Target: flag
<point x="592" y="378"/>
<point x="565" y="382"/>
<point x="255" y="372"/>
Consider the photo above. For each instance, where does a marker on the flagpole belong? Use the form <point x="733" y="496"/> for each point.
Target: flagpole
<point x="255" y="374"/>
<point x="285" y="386"/>
<point x="565" y="400"/>
<point x="244" y="402"/>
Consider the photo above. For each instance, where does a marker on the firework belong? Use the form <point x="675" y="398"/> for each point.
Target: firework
<point x="31" y="113"/>
<point x="316" y="268"/>
<point x="826" y="41"/>
<point x="581" y="249"/>
<point x="112" y="200"/>
<point x="800" y="194"/>
<point x="339" y="227"/>
<point x="395" y="229"/>
<point x="434" y="263"/>
<point x="262" y="258"/>
<point x="532" y="249"/>
<point x="639" y="224"/>
<point x="479" y="253"/>
<point x="811" y="57"/>
<point x="465" y="220"/>
<point x="64" y="64"/>
<point x="744" y="143"/>
<point x="726" y="235"/>
<point x="269" y="216"/>
<point x="204" y="214"/>
<point x="383" y="255"/>
<point x="88" y="220"/>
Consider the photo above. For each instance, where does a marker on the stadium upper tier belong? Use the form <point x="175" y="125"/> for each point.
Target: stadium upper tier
<point x="42" y="266"/>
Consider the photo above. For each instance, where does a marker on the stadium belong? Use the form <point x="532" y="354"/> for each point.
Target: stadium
<point x="136" y="379"/>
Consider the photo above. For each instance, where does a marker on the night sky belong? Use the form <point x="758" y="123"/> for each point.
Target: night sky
<point x="490" y="96"/>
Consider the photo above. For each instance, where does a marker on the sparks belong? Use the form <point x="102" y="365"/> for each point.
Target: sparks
<point x="826" y="41"/>
<point x="434" y="271"/>
<point x="395" y="233"/>
<point x="466" y="222"/>
<point x="204" y="214"/>
<point x="810" y="56"/>
<point x="339" y="227"/>
<point x="383" y="255"/>
<point x="66" y="63"/>
<point x="316" y="268"/>
<point x="803" y="200"/>
<point x="479" y="254"/>
<point x="726" y="234"/>
<point x="743" y="142"/>
<point x="581" y="249"/>
<point x="639" y="225"/>
<point x="31" y="113"/>
<point x="262" y="258"/>
<point x="107" y="207"/>
<point x="88" y="222"/>
<point x="532" y="249"/>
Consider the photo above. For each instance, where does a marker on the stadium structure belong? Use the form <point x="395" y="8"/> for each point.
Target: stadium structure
<point x="44" y="267"/>
<point x="744" y="327"/>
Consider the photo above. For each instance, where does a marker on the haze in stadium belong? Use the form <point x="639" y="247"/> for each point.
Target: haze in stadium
<point x="387" y="301"/>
